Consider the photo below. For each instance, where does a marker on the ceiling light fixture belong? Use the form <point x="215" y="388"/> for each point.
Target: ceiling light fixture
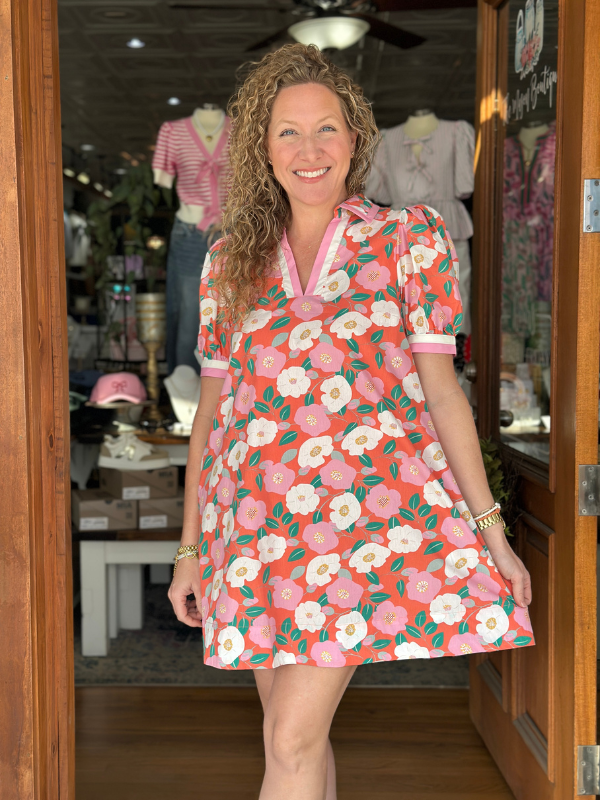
<point x="136" y="43"/>
<point x="329" y="32"/>
<point x="173" y="101"/>
<point x="70" y="173"/>
<point x="87" y="147"/>
<point x="83" y="177"/>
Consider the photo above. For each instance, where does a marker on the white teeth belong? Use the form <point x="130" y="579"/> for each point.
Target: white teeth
<point x="304" y="174"/>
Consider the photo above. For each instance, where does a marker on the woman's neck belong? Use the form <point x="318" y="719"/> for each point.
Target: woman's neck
<point x="308" y="222"/>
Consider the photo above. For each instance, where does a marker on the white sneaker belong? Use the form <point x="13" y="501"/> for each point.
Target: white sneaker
<point x="128" y="453"/>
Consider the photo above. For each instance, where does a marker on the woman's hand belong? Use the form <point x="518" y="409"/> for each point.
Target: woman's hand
<point x="186" y="581"/>
<point x="509" y="565"/>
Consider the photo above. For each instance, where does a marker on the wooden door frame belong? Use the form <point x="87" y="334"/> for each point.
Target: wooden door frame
<point x="576" y="312"/>
<point x="36" y="654"/>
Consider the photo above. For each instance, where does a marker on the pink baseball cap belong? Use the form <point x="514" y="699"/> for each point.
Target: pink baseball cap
<point x="118" y="386"/>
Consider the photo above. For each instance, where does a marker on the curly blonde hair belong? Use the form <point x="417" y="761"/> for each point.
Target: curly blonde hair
<point x="258" y="208"/>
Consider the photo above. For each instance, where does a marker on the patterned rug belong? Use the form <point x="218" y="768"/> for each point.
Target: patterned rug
<point x="166" y="651"/>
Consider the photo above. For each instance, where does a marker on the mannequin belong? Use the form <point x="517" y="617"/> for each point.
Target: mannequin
<point x="420" y="123"/>
<point x="196" y="150"/>
<point x="528" y="136"/>
<point x="183" y="387"/>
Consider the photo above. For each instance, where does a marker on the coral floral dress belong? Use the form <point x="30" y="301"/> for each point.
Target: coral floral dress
<point x="332" y="531"/>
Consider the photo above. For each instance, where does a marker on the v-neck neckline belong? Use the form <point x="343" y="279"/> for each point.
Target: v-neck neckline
<point x="201" y="146"/>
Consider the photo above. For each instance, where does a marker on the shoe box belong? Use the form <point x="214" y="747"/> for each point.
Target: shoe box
<point x="152" y="484"/>
<point x="164" y="512"/>
<point x="95" y="510"/>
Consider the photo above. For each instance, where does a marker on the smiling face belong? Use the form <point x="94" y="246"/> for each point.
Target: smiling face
<point x="310" y="145"/>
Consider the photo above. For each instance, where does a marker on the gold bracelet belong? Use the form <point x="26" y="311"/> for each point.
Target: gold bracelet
<point x="482" y="514"/>
<point x="187" y="551"/>
<point x="482" y="524"/>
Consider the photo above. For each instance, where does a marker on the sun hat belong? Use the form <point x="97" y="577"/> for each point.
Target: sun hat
<point x="118" y="386"/>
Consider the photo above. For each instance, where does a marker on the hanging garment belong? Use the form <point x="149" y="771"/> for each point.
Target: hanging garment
<point x="333" y="532"/>
<point x="527" y="231"/>
<point x="202" y="177"/>
<point x="80" y="240"/>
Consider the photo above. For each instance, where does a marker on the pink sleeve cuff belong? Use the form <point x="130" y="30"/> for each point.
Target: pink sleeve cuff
<point x="211" y="372"/>
<point x="422" y="347"/>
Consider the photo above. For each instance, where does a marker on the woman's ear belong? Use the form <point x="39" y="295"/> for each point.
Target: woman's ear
<point x="353" y="138"/>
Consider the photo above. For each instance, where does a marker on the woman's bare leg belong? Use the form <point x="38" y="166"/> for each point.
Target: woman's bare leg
<point x="299" y="703"/>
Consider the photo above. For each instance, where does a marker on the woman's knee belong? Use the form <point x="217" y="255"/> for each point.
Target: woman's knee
<point x="293" y="744"/>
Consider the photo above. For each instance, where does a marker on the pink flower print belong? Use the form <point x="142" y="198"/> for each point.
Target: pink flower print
<point x="483" y="586"/>
<point x="373" y="276"/>
<point x="269" y="362"/>
<point x="215" y="440"/>
<point x="201" y="342"/>
<point x="427" y="423"/>
<point x="465" y="643"/>
<point x="214" y="661"/>
<point x="217" y="552"/>
<point x="251" y="513"/>
<point x="383" y="502"/>
<point x="202" y="498"/>
<point x="226" y="608"/>
<point x="327" y="654"/>
<point x="226" y="388"/>
<point x="320" y="537"/>
<point x="204" y="607"/>
<point x="423" y="587"/>
<point x="262" y="631"/>
<point x="326" y="357"/>
<point x="450" y="484"/>
<point x="412" y="292"/>
<point x="287" y="594"/>
<point x="344" y="593"/>
<point x="397" y="361"/>
<point x="337" y="474"/>
<point x="244" y="398"/>
<point x="371" y="388"/>
<point x="306" y="308"/>
<point x="390" y="618"/>
<point x="413" y="470"/>
<point x="312" y="419"/>
<point x="458" y="532"/>
<point x="522" y="618"/>
<point x="278" y="477"/>
<point x="225" y="491"/>
<point x="441" y="315"/>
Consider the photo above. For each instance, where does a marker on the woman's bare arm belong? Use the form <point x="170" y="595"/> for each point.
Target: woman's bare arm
<point x="453" y="421"/>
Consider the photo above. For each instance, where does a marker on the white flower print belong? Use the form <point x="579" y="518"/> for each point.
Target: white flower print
<point x="321" y="568"/>
<point x="404" y="539"/>
<point x="363" y="230"/>
<point x="493" y="623"/>
<point x="208" y="631"/>
<point x="271" y="548"/>
<point x="256" y="320"/>
<point x="209" y="518"/>
<point x="360" y="439"/>
<point x="292" y="382"/>
<point x="243" y="570"/>
<point x="369" y="556"/>
<point x="216" y="471"/>
<point x="261" y="431"/>
<point x="281" y="658"/>
<point x="459" y="562"/>
<point x="447" y="608"/>
<point x="301" y="337"/>
<point x="411" y="650"/>
<point x="217" y="584"/>
<point x="208" y="310"/>
<point x="228" y="521"/>
<point x="465" y="513"/>
<point x="237" y="455"/>
<point x="236" y="338"/>
<point x="351" y="324"/>
<point x="336" y="393"/>
<point x="385" y="313"/>
<point x="435" y="495"/>
<point x="434" y="457"/>
<point x="231" y="644"/>
<point x="335" y="285"/>
<point x="227" y="410"/>
<point x="422" y="256"/>
<point x="313" y="452"/>
<point x="302" y="499"/>
<point x="390" y="426"/>
<point x="352" y="629"/>
<point x="418" y="320"/>
<point x="412" y="386"/>
<point x="345" y="510"/>
<point x="309" y="616"/>
<point x="401" y="216"/>
<point x="406" y="267"/>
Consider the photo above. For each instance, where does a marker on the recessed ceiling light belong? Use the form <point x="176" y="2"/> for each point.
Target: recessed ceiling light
<point x="120" y="171"/>
<point x="69" y="172"/>
<point x="135" y="43"/>
<point x="173" y="101"/>
<point x="83" y="177"/>
<point x="98" y="187"/>
<point x="87" y="147"/>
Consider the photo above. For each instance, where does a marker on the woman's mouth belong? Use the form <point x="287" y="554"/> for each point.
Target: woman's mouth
<point x="316" y="173"/>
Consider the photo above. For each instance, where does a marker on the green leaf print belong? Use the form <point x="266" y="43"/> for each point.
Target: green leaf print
<point x="293" y="529"/>
<point x="245" y="539"/>
<point x="285" y="412"/>
<point x="286" y="625"/>
<point x="278" y="510"/>
<point x="425" y="510"/>
<point x="357" y="647"/>
<point x="438" y="640"/>
<point x="365" y="258"/>
<point x="391" y="291"/>
<point x="241" y="423"/>
<point x="235" y="363"/>
<point x="434" y="565"/>
<point x="306" y="364"/>
<point x="394" y="522"/>
<point x="323" y="600"/>
<point x="433" y="547"/>
<point x="309" y="399"/>
<point x="373" y="480"/>
<point x="272" y="523"/>
<point x="379" y="644"/>
<point x="379" y="295"/>
<point x="411" y="414"/>
<point x="498" y="641"/>
<point x="457" y="320"/>
<point x="430" y="628"/>
<point x="350" y="427"/>
<point x="415" y="632"/>
<point x="251" y="415"/>
<point x="414" y="501"/>
<point x="278" y="401"/>
<point x="364" y="408"/>
<point x="317" y="517"/>
<point x="288" y="437"/>
<point x="404" y="402"/>
<point x="360" y="297"/>
<point x="242" y="493"/>
<point x="389" y="249"/>
<point x="215" y="425"/>
<point x="243" y="625"/>
<point x="247" y="592"/>
<point x="316" y="481"/>
<point x="255" y="611"/>
<point x="415" y="437"/>
<point x="297" y="554"/>
<point x="377" y="336"/>
<point x="419" y="228"/>
<point x="207" y="463"/>
<point x="400" y="638"/>
<point x="397" y="564"/>
<point x="464" y="592"/>
<point x="394" y="470"/>
<point x="207" y="572"/>
<point x="287" y="518"/>
<point x="463" y="627"/>
<point x="259" y="658"/>
<point x="448" y="288"/>
<point x="427" y="308"/>
<point x="352" y="270"/>
<point x="374" y="526"/>
<point x="379" y="597"/>
<point x="204" y="549"/>
<point x="259" y="481"/>
<point x="400" y="587"/>
<point x="358" y="544"/>
<point x="372" y="577"/>
<point x="366" y="460"/>
<point x="367" y="611"/>
<point x="353" y="345"/>
<point x="390" y="447"/>
<point x="266" y="575"/>
<point x="381" y="406"/>
<point x="431" y="522"/>
<point x="272" y="291"/>
<point x="378" y="359"/>
<point x="508" y="605"/>
<point x="302" y="646"/>
<point x="254" y="459"/>
<point x="270" y="597"/>
<point x="324" y="635"/>
<point x="268" y="394"/>
<point x="295" y="634"/>
<point x="280" y="639"/>
<point x="358" y="365"/>
<point x="455" y="513"/>
<point x="235" y="663"/>
<point x="280" y="323"/>
<point x="263" y="407"/>
<point x="360" y="493"/>
<point x="444" y="266"/>
<point x="389" y="229"/>
<point x="420" y="619"/>
<point x="247" y="344"/>
<point x="521" y="640"/>
<point x="404" y="512"/>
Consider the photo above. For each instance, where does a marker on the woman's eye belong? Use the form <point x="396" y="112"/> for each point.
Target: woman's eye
<point x="285" y="133"/>
<point x="328" y="128"/>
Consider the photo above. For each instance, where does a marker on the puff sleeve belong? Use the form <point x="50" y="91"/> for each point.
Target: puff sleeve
<point x="376" y="186"/>
<point x="428" y="282"/>
<point x="164" y="160"/>
<point x="464" y="157"/>
<point x="214" y="345"/>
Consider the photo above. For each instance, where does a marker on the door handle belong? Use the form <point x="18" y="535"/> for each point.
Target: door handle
<point x="506" y="418"/>
<point x="471" y="372"/>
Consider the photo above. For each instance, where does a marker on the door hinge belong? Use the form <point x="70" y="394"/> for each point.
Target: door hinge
<point x="588" y="769"/>
<point x="589" y="490"/>
<point x="591" y="206"/>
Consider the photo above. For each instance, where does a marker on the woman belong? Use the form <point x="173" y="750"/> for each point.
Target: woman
<point x="331" y="436"/>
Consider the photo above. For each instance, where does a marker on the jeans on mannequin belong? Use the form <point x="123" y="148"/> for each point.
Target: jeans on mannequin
<point x="188" y="247"/>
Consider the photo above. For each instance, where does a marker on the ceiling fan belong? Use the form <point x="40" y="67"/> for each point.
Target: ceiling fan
<point x="336" y="23"/>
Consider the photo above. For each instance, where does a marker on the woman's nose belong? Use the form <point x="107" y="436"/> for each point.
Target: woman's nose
<point x="310" y="148"/>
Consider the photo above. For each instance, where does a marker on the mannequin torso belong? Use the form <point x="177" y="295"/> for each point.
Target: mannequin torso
<point x="419" y="125"/>
<point x="528" y="137"/>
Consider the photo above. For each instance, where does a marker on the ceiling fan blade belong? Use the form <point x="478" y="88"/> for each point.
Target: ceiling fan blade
<point x="390" y="33"/>
<point x="419" y="5"/>
<point x="269" y="40"/>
